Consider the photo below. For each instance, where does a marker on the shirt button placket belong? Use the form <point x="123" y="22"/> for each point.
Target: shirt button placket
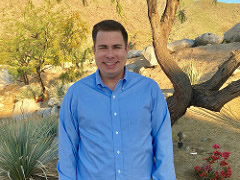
<point x="117" y="137"/>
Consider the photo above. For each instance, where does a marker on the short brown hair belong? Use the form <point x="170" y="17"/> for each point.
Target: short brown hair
<point x="109" y="25"/>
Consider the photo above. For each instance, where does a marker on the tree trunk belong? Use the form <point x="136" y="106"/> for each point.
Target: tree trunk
<point x="208" y="94"/>
<point x="38" y="70"/>
<point x="25" y="78"/>
<point x="161" y="26"/>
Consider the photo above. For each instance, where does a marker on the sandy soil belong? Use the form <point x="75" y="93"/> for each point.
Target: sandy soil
<point x="201" y="128"/>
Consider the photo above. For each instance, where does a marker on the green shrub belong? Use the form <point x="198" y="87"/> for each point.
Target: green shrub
<point x="192" y="72"/>
<point x="31" y="91"/>
<point x="25" y="146"/>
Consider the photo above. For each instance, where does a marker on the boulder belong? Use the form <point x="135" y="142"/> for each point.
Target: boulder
<point x="5" y="78"/>
<point x="52" y="102"/>
<point x="136" y="64"/>
<point x="44" y="112"/>
<point x="149" y="55"/>
<point x="180" y="44"/>
<point x="134" y="54"/>
<point x="233" y="34"/>
<point x="55" y="111"/>
<point x="208" y="38"/>
<point x="25" y="108"/>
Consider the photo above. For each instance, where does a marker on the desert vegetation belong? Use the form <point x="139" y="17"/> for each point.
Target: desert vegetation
<point x="26" y="146"/>
<point x="38" y="36"/>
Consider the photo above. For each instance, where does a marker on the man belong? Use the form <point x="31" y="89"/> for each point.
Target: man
<point x="114" y="124"/>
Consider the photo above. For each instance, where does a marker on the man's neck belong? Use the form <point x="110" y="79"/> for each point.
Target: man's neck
<point x="111" y="83"/>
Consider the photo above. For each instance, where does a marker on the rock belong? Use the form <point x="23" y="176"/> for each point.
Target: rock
<point x="132" y="67"/>
<point x="181" y="136"/>
<point x="25" y="108"/>
<point x="204" y="139"/>
<point x="149" y="55"/>
<point x="52" y="102"/>
<point x="180" y="44"/>
<point x="134" y="54"/>
<point x="187" y="148"/>
<point x="55" y="111"/>
<point x="137" y="64"/>
<point x="44" y="112"/>
<point x="208" y="38"/>
<point x="233" y="34"/>
<point x="5" y="78"/>
<point x="47" y="112"/>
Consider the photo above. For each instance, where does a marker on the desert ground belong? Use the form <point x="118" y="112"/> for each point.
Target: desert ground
<point x="201" y="128"/>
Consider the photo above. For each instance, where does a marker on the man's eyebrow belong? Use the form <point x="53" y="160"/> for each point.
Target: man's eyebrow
<point x="117" y="45"/>
<point x="102" y="45"/>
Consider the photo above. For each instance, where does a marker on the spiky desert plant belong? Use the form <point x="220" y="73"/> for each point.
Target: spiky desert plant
<point x="24" y="149"/>
<point x="192" y="72"/>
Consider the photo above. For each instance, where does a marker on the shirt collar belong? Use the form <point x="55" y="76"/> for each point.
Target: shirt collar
<point x="100" y="82"/>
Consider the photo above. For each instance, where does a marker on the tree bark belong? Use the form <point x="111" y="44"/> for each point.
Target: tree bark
<point x="38" y="70"/>
<point x="25" y="78"/>
<point x="180" y="101"/>
<point x="208" y="94"/>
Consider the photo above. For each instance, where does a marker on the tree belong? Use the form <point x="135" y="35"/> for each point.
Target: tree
<point x="73" y="44"/>
<point x="45" y="36"/>
<point x="207" y="95"/>
<point x="15" y="55"/>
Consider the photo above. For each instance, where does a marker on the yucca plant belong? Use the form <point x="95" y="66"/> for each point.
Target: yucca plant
<point x="192" y="72"/>
<point x="25" y="146"/>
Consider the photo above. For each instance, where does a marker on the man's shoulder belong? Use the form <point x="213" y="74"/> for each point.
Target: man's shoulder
<point x="140" y="78"/>
<point x="88" y="81"/>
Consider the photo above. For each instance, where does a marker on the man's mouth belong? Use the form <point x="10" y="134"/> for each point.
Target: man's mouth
<point x="110" y="63"/>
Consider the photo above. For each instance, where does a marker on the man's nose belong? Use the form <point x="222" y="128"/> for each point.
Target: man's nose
<point x="110" y="53"/>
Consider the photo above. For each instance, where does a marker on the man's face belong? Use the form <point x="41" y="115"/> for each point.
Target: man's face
<point x="110" y="54"/>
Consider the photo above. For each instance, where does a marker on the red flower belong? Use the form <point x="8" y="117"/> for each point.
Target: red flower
<point x="223" y="163"/>
<point x="215" y="167"/>
<point x="227" y="172"/>
<point x="217" y="153"/>
<point x="208" y="168"/>
<point x="225" y="155"/>
<point x="216" y="146"/>
<point x="203" y="174"/>
<point x="197" y="169"/>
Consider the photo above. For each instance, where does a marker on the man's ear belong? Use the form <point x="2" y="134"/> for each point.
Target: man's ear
<point x="94" y="49"/>
<point x="127" y="48"/>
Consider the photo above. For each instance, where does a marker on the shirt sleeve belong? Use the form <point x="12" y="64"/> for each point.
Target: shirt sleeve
<point x="68" y="139"/>
<point x="163" y="168"/>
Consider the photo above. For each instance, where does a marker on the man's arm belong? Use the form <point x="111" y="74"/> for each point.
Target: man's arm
<point x="162" y="139"/>
<point x="68" y="140"/>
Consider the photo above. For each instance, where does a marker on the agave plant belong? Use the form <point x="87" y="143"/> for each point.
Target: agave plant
<point x="25" y="146"/>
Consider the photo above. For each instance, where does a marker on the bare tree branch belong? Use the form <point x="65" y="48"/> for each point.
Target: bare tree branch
<point x="223" y="73"/>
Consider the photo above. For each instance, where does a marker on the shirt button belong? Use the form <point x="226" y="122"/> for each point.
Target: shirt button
<point x="114" y="96"/>
<point x="118" y="152"/>
<point x="115" y="114"/>
<point x="119" y="171"/>
<point x="116" y="132"/>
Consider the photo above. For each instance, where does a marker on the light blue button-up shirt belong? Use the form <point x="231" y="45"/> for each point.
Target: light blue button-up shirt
<point x="124" y="134"/>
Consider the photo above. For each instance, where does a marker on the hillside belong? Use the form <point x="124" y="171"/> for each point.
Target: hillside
<point x="201" y="130"/>
<point x="202" y="17"/>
